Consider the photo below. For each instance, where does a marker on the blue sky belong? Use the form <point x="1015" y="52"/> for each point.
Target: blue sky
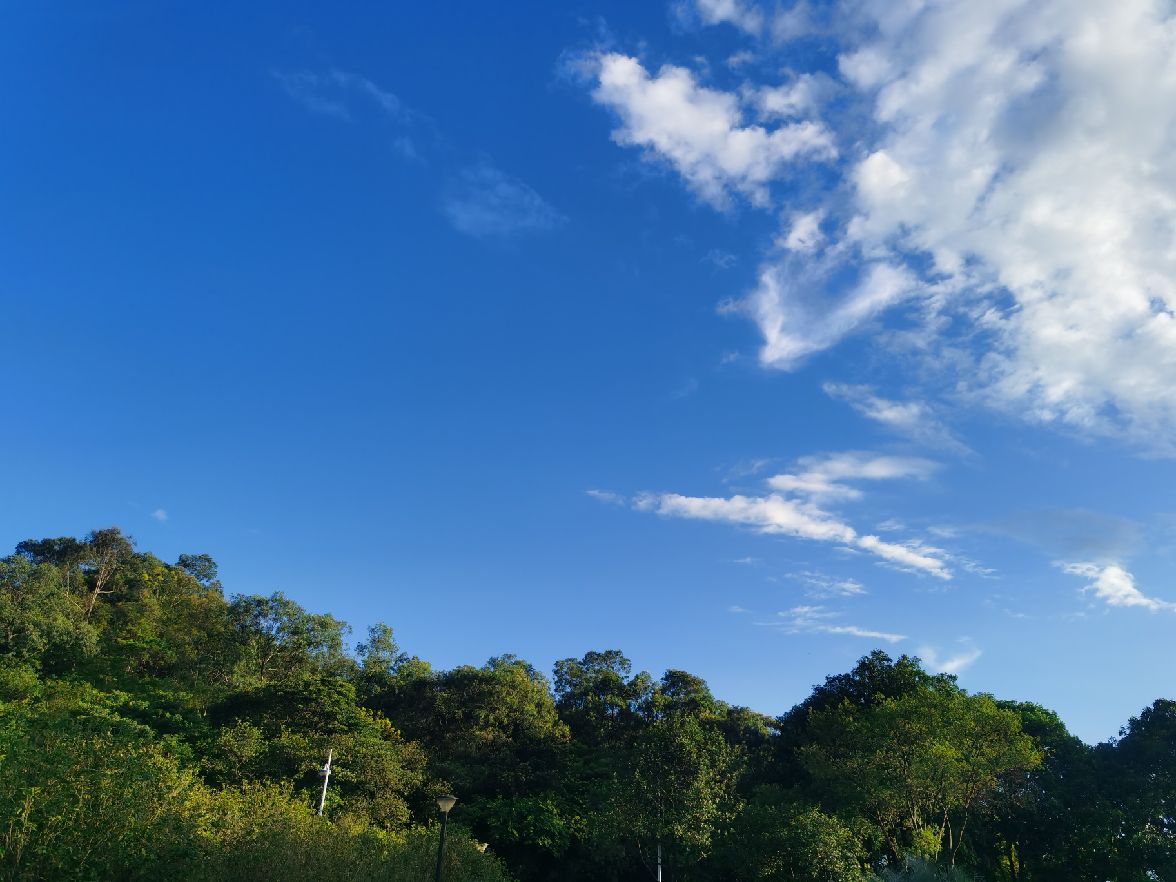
<point x="743" y="338"/>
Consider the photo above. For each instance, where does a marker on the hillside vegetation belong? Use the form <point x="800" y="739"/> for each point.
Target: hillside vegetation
<point x="152" y="727"/>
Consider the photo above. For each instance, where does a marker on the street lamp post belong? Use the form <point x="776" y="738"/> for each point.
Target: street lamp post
<point x="444" y="802"/>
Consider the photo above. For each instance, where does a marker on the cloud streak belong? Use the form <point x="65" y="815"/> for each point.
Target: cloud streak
<point x="606" y="496"/>
<point x="821" y="585"/>
<point x="817" y="620"/>
<point x="795" y="508"/>
<point x="948" y="664"/>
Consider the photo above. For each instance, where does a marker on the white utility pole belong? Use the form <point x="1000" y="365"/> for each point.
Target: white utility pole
<point x="325" y="771"/>
<point x="659" y="878"/>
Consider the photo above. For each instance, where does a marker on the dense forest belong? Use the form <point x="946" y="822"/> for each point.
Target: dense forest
<point x="152" y="727"/>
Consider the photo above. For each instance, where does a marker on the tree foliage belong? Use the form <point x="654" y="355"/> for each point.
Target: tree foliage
<point x="152" y="727"/>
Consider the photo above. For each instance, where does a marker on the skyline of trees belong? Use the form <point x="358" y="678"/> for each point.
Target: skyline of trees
<point x="153" y="727"/>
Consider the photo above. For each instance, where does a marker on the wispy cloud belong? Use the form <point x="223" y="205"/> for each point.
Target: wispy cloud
<point x="485" y="201"/>
<point x="828" y="476"/>
<point x="948" y="663"/>
<point x="159" y="514"/>
<point x="795" y="508"/>
<point x="914" y="419"/>
<point x="821" y="585"/>
<point x="336" y="93"/>
<point x="1114" y="586"/>
<point x="746" y="561"/>
<point x="1073" y="533"/>
<point x="818" y="620"/>
<point x="720" y="259"/>
<point x="478" y="198"/>
<point x="606" y="496"/>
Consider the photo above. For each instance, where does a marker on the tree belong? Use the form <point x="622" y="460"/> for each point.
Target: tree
<point x="778" y="838"/>
<point x="917" y="765"/>
<point x="1042" y="823"/>
<point x="670" y="784"/>
<point x="41" y="622"/>
<point x="200" y="567"/>
<point x="277" y="638"/>
<point x="169" y="623"/>
<point x="598" y="698"/>
<point x="106" y="551"/>
<point x="64" y="552"/>
<point x="87" y="794"/>
<point x="874" y="678"/>
<point x="1143" y="783"/>
<point x="677" y="792"/>
<point x="282" y="731"/>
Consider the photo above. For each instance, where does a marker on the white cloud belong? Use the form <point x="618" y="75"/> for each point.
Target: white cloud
<point x="743" y="15"/>
<point x="159" y="514"/>
<point x="804" y="232"/>
<point x="606" y="496"/>
<point x="826" y="476"/>
<point x="1115" y="586"/>
<point x="741" y="58"/>
<point x="484" y="201"/>
<point x="801" y="97"/>
<point x="913" y="556"/>
<point x="795" y="317"/>
<point x="820" y="585"/>
<point x="1029" y="148"/>
<point x="914" y="419"/>
<point x="948" y="664"/>
<point x="816" y="620"/>
<point x="975" y="567"/>
<point x="794" y="509"/>
<point x="768" y="514"/>
<point x="1012" y="184"/>
<point x="855" y="631"/>
<point x="701" y="131"/>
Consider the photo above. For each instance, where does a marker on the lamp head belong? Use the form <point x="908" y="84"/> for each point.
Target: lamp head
<point x="445" y="802"/>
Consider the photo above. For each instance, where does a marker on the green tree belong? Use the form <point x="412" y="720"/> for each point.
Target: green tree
<point x="917" y="765"/>
<point x="41" y="621"/>
<point x="107" y="551"/>
<point x="599" y="698"/>
<point x="87" y="794"/>
<point x="277" y="638"/>
<point x="1142" y="763"/>
<point x="874" y="678"/>
<point x="283" y="731"/>
<point x="778" y="838"/>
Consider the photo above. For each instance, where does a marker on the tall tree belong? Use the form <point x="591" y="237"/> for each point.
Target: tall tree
<point x="106" y="551"/>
